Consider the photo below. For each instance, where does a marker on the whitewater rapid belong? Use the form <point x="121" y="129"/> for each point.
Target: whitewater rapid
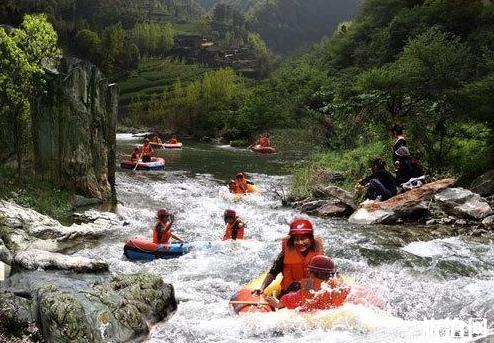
<point x="419" y="274"/>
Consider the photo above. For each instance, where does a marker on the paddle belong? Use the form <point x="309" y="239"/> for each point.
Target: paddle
<point x="137" y="163"/>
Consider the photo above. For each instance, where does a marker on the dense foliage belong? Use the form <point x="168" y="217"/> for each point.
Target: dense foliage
<point x="25" y="53"/>
<point x="426" y="64"/>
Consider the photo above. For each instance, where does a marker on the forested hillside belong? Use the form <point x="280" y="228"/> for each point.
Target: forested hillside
<point x="427" y="64"/>
<point x="289" y="25"/>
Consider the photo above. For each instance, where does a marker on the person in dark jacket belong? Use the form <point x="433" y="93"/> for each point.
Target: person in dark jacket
<point x="407" y="167"/>
<point x="397" y="131"/>
<point x="381" y="184"/>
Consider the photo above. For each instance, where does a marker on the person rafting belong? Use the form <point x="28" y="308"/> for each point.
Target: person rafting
<point x="234" y="226"/>
<point x="381" y="184"/>
<point x="136" y="155"/>
<point x="162" y="231"/>
<point x="156" y="139"/>
<point x="397" y="132"/>
<point x="173" y="140"/>
<point x="323" y="289"/>
<point x="242" y="185"/>
<point x="146" y="151"/>
<point x="297" y="250"/>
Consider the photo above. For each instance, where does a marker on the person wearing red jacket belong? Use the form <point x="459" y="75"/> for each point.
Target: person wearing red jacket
<point x="234" y="226"/>
<point x="162" y="232"/>
<point x="296" y="252"/>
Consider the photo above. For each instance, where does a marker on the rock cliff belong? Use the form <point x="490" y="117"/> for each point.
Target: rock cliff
<point x="73" y="128"/>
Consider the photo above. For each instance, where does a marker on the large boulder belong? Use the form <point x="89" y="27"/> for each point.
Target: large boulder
<point x="463" y="203"/>
<point x="331" y="201"/>
<point x="73" y="128"/>
<point x="333" y="192"/>
<point x="5" y="255"/>
<point x="39" y="259"/>
<point x="484" y="184"/>
<point x="408" y="205"/>
<point x="32" y="230"/>
<point x="89" y="308"/>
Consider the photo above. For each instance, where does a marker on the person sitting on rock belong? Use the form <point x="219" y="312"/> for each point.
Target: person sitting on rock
<point x="381" y="184"/>
<point x="322" y="290"/>
<point x="136" y="155"/>
<point x="173" y="140"/>
<point x="406" y="166"/>
<point x="234" y="226"/>
<point x="297" y="250"/>
<point x="162" y="231"/>
<point x="146" y="151"/>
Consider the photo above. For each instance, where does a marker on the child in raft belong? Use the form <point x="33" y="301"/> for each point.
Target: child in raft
<point x="323" y="289"/>
<point x="162" y="231"/>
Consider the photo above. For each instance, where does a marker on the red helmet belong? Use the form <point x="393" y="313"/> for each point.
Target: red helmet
<point x="229" y="214"/>
<point x="163" y="212"/>
<point x="322" y="264"/>
<point x="301" y="227"/>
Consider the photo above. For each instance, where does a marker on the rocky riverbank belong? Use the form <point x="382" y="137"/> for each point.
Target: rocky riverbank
<point x="54" y="296"/>
<point x="434" y="203"/>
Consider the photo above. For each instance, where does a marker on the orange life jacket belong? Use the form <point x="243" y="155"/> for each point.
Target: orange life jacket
<point x="231" y="227"/>
<point x="295" y="264"/>
<point x="146" y="149"/>
<point x="241" y="186"/>
<point x="172" y="141"/>
<point x="134" y="156"/>
<point x="161" y="236"/>
<point x="315" y="299"/>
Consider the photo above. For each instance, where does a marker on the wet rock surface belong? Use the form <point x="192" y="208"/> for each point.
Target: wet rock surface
<point x="484" y="184"/>
<point x="29" y="229"/>
<point x="40" y="259"/>
<point x="89" y="308"/>
<point x="330" y="201"/>
<point x="411" y="205"/>
<point x="463" y="203"/>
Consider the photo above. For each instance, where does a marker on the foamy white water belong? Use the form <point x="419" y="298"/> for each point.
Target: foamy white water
<point x="423" y="277"/>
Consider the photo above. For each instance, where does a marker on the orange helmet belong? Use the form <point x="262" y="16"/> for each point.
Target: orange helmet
<point x="301" y="227"/>
<point x="322" y="264"/>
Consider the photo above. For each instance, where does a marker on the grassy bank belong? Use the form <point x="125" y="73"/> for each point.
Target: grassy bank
<point x="39" y="195"/>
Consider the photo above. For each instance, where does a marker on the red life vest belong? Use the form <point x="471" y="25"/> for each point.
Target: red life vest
<point x="163" y="235"/>
<point x="237" y="226"/>
<point x="295" y="264"/>
<point x="313" y="298"/>
<point x="146" y="149"/>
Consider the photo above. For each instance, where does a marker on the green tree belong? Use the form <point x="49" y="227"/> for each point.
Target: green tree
<point x="88" y="45"/>
<point x="113" y="43"/>
<point x="24" y="55"/>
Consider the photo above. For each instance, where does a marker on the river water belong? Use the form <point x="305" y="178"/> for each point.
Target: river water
<point x="419" y="272"/>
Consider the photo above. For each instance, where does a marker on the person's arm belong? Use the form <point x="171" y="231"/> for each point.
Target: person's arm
<point x="273" y="272"/>
<point x="177" y="238"/>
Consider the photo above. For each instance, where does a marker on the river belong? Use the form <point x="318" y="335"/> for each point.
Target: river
<point x="418" y="271"/>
